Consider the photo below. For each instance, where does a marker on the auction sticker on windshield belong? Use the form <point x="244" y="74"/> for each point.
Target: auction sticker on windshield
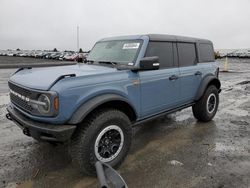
<point x="131" y="46"/>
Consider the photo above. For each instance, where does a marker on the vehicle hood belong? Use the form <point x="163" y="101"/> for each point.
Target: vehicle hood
<point x="44" y="78"/>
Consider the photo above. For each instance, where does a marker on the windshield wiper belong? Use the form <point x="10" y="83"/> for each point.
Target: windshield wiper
<point x="88" y="61"/>
<point x="101" y="62"/>
<point x="108" y="62"/>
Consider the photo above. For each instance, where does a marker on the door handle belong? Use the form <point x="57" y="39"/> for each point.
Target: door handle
<point x="173" y="77"/>
<point x="198" y="73"/>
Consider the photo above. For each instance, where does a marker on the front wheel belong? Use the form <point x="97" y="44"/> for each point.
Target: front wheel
<point x="105" y="136"/>
<point x="206" y="108"/>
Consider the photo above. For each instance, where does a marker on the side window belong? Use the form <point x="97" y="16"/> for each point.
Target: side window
<point x="164" y="50"/>
<point x="187" y="54"/>
<point x="206" y="52"/>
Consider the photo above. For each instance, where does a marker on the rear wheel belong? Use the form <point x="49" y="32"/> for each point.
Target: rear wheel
<point x="206" y="108"/>
<point x="105" y="136"/>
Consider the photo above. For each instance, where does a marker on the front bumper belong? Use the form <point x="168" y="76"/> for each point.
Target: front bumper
<point x="38" y="130"/>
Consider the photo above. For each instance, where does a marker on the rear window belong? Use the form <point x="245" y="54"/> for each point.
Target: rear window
<point x="187" y="54"/>
<point x="164" y="50"/>
<point x="206" y="52"/>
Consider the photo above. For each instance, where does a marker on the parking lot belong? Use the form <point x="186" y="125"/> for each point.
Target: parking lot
<point x="174" y="151"/>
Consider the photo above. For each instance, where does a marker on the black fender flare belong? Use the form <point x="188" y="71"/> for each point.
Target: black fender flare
<point x="210" y="79"/>
<point x="93" y="103"/>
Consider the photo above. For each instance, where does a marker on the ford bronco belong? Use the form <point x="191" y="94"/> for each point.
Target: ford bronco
<point x="124" y="81"/>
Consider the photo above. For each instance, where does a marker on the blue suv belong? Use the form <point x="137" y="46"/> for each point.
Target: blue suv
<point x="123" y="82"/>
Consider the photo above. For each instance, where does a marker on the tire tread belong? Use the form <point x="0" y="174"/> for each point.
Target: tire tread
<point x="84" y="135"/>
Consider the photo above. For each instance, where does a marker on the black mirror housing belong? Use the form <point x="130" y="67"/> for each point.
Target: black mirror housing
<point x="108" y="177"/>
<point x="150" y="63"/>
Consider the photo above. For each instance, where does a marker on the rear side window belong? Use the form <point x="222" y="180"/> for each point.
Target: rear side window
<point x="187" y="54"/>
<point x="164" y="50"/>
<point x="206" y="52"/>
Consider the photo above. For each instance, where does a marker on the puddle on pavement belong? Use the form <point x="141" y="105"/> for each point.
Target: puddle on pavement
<point x="183" y="117"/>
<point x="231" y="149"/>
<point x="245" y="82"/>
<point x="238" y="112"/>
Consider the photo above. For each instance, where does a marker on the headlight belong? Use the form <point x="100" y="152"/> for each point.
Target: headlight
<point x="45" y="104"/>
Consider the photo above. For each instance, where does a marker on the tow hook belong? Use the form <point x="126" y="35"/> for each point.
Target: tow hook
<point x="8" y="117"/>
<point x="26" y="132"/>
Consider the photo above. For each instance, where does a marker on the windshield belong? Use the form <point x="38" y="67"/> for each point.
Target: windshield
<point x="115" y="51"/>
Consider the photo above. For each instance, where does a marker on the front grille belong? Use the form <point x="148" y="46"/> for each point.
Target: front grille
<point x="17" y="100"/>
<point x="20" y="90"/>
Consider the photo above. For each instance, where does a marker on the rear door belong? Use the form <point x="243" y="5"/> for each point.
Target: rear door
<point x="160" y="89"/>
<point x="190" y="73"/>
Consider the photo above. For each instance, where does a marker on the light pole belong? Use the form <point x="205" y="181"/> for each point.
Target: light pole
<point x="77" y="42"/>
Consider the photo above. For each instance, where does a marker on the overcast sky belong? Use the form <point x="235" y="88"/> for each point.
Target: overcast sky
<point x="45" y="24"/>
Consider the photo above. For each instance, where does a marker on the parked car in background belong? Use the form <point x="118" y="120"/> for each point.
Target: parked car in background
<point x="63" y="56"/>
<point x="72" y="57"/>
<point x="10" y="54"/>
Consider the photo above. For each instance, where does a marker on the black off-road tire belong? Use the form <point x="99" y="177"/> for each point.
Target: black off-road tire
<point x="83" y="141"/>
<point x="201" y="110"/>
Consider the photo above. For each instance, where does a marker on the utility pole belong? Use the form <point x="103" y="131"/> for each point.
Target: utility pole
<point x="77" y="42"/>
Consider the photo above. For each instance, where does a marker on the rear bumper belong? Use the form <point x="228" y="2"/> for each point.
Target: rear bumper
<point x="38" y="130"/>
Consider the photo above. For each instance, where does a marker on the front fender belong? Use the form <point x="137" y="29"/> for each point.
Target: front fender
<point x="93" y="103"/>
<point x="210" y="79"/>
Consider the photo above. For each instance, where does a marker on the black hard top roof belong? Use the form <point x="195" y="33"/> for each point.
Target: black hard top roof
<point x="164" y="37"/>
<point x="159" y="37"/>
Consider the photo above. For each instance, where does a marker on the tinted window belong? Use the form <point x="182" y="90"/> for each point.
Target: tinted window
<point x="164" y="50"/>
<point x="206" y="52"/>
<point x="187" y="54"/>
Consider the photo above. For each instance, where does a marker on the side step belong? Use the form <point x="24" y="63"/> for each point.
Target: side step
<point x="163" y="114"/>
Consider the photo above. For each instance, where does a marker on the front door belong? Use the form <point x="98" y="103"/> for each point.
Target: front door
<point x="160" y="89"/>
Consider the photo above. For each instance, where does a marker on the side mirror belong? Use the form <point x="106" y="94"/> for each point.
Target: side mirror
<point x="150" y="63"/>
<point x="108" y="177"/>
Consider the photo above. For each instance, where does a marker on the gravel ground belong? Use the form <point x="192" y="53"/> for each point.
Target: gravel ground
<point x="174" y="151"/>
